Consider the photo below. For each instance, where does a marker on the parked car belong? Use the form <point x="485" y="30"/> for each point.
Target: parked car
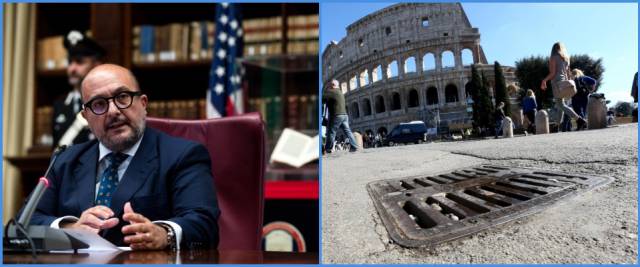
<point x="414" y="132"/>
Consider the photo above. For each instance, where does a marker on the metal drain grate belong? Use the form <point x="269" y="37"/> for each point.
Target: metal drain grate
<point x="422" y="211"/>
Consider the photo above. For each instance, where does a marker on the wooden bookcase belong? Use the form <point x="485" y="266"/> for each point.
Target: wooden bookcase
<point x="111" y="25"/>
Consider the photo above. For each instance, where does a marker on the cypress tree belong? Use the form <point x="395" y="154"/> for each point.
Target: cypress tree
<point x="473" y="88"/>
<point x="501" y="89"/>
<point x="484" y="105"/>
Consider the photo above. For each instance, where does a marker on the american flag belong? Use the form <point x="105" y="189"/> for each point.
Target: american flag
<point x="224" y="94"/>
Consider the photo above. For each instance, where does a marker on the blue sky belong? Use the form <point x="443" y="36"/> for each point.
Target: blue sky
<point x="511" y="31"/>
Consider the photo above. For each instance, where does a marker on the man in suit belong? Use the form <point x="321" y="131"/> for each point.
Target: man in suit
<point x="134" y="186"/>
<point x="83" y="54"/>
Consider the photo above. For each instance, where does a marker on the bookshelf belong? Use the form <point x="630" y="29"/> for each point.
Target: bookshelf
<point x="286" y="77"/>
<point x="281" y="85"/>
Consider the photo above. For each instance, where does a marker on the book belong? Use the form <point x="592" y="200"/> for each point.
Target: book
<point x="44" y="128"/>
<point x="50" y="53"/>
<point x="293" y="114"/>
<point x="174" y="42"/>
<point x="302" y="34"/>
<point x="178" y="109"/>
<point x="312" y="112"/>
<point x="195" y="43"/>
<point x="262" y="36"/>
<point x="147" y="44"/>
<point x="135" y="44"/>
<point x="295" y="149"/>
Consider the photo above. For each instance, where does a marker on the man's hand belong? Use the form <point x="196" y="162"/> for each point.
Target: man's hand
<point x="142" y="233"/>
<point x="543" y="85"/>
<point x="94" y="219"/>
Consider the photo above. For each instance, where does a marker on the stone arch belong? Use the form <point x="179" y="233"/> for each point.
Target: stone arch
<point x="364" y="78"/>
<point x="428" y="62"/>
<point x="376" y="74"/>
<point x="413" y="100"/>
<point x="467" y="89"/>
<point x="353" y="83"/>
<point x="344" y="88"/>
<point x="451" y="93"/>
<point x="410" y="65"/>
<point x="448" y="60"/>
<point x="395" y="101"/>
<point x="366" y="107"/>
<point x="432" y="95"/>
<point x="380" y="104"/>
<point x="392" y="69"/>
<point x="355" y="111"/>
<point x="467" y="57"/>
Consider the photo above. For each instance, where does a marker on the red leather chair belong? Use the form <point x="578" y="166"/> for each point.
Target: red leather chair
<point x="237" y="148"/>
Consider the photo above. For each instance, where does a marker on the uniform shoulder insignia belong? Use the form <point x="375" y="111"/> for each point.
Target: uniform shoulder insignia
<point x="61" y="118"/>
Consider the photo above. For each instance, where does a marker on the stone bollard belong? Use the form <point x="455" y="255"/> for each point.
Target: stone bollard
<point x="507" y="128"/>
<point x="542" y="122"/>
<point x="358" y="137"/>
<point x="597" y="111"/>
<point x="517" y="117"/>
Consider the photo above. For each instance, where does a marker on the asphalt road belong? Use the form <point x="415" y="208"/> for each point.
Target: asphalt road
<point x="600" y="226"/>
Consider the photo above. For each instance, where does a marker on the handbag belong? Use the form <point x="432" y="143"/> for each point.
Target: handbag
<point x="564" y="89"/>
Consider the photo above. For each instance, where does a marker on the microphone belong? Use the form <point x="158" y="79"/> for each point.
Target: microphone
<point x="19" y="236"/>
<point x="37" y="193"/>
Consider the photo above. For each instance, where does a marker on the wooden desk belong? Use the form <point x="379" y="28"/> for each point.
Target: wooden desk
<point x="291" y="194"/>
<point x="165" y="257"/>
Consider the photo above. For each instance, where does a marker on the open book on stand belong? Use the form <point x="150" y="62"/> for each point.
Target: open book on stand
<point x="295" y="149"/>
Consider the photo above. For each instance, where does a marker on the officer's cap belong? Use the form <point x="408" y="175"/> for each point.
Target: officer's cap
<point x="78" y="45"/>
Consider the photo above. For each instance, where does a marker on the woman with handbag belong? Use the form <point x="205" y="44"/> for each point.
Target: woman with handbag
<point x="562" y="85"/>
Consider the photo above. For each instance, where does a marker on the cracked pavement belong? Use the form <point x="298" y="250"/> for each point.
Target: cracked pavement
<point x="600" y="226"/>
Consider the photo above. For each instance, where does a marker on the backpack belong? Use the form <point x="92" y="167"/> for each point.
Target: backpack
<point x="582" y="88"/>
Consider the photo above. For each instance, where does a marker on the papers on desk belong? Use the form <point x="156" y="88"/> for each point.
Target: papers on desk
<point x="95" y="242"/>
<point x="100" y="250"/>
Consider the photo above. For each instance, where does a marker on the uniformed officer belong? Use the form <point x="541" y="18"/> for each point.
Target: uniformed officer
<point x="83" y="54"/>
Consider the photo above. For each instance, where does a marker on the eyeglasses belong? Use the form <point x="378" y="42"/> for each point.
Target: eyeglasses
<point x="100" y="105"/>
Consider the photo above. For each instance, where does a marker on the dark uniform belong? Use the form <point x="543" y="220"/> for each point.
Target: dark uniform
<point x="64" y="114"/>
<point x="67" y="106"/>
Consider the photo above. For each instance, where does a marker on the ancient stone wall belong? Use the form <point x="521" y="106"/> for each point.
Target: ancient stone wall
<point x="405" y="63"/>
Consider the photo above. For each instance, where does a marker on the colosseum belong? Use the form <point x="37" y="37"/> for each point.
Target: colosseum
<point x="408" y="62"/>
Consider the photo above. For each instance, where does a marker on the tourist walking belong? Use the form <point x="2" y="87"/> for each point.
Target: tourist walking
<point x="558" y="72"/>
<point x="529" y="108"/>
<point x="585" y="85"/>
<point x="566" y="122"/>
<point x="338" y="118"/>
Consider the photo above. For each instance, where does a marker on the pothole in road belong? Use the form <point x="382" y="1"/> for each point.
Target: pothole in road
<point x="423" y="211"/>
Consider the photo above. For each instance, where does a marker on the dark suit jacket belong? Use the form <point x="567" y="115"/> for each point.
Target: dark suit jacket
<point x="168" y="179"/>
